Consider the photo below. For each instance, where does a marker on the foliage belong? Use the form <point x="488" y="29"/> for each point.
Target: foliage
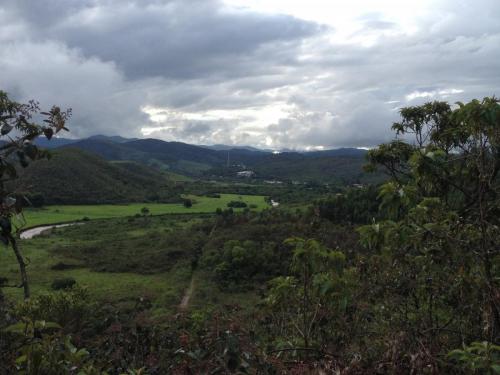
<point x="19" y="150"/>
<point x="356" y="205"/>
<point x="187" y="203"/>
<point x="308" y="303"/>
<point x="241" y="263"/>
<point x="434" y="258"/>
<point x="236" y="204"/>
<point x="478" y="357"/>
<point x="151" y="252"/>
<point x="64" y="283"/>
<point x="68" y="308"/>
<point x="43" y="352"/>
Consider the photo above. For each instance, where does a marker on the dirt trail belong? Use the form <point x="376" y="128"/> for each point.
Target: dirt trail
<point x="187" y="295"/>
<point x="189" y="291"/>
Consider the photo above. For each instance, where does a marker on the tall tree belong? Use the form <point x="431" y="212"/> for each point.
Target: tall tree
<point x="441" y="240"/>
<point x="20" y="125"/>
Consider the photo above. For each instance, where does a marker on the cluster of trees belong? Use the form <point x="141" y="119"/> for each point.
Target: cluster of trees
<point x="425" y="291"/>
<point x="356" y="205"/>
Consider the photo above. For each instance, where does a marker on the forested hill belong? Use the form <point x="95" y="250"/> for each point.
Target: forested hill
<point x="74" y="176"/>
<point x="342" y="166"/>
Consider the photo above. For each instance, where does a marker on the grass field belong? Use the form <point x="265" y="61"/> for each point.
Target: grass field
<point x="135" y="239"/>
<point x="165" y="289"/>
<point x="61" y="214"/>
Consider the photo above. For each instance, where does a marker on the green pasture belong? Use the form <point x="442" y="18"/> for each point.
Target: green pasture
<point x="68" y="213"/>
<point x="165" y="289"/>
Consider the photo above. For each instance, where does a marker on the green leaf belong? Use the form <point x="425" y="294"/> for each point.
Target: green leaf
<point x="6" y="129"/>
<point x="48" y="133"/>
<point x="19" y="328"/>
<point x="21" y="359"/>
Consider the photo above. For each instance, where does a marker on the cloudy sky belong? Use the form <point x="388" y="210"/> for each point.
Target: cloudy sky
<point x="305" y="74"/>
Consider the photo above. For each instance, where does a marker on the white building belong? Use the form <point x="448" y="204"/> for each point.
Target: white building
<point x="245" y="174"/>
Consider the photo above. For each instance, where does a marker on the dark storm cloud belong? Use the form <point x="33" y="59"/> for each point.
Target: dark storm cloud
<point x="171" y="39"/>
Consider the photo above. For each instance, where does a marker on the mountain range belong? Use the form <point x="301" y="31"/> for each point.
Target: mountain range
<point x="342" y="166"/>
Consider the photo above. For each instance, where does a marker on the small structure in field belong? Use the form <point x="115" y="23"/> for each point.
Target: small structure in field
<point x="246" y="174"/>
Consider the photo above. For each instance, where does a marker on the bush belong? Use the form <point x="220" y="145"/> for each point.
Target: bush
<point x="61" y="266"/>
<point x="64" y="283"/>
<point x="212" y="195"/>
<point x="237" y="204"/>
<point x="70" y="308"/>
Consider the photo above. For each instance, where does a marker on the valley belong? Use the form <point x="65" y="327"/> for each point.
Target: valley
<point x="186" y="259"/>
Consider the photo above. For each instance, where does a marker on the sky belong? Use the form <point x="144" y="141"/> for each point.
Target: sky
<point x="308" y="74"/>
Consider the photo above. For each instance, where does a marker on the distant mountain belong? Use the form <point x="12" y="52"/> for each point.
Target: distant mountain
<point x="107" y="149"/>
<point x="54" y="142"/>
<point x="173" y="151"/>
<point x="339" y="152"/>
<point x="220" y="147"/>
<point x="112" y="138"/>
<point x="342" y="165"/>
<point x="74" y="176"/>
<point x="61" y="142"/>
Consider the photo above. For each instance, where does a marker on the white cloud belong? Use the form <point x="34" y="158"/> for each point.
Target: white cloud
<point x="441" y="94"/>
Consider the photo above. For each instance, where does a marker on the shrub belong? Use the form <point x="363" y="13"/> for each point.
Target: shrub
<point x="64" y="283"/>
<point x="61" y="266"/>
<point x="237" y="204"/>
<point x="69" y="308"/>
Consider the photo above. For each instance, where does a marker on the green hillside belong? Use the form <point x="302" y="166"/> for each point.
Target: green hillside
<point x="74" y="176"/>
<point x="341" y="166"/>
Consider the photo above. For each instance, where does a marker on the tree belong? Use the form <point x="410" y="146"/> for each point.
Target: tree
<point x="315" y="293"/>
<point x="436" y="255"/>
<point x="18" y="130"/>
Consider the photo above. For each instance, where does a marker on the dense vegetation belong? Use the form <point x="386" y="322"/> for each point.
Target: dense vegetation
<point x="83" y="178"/>
<point x="399" y="278"/>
